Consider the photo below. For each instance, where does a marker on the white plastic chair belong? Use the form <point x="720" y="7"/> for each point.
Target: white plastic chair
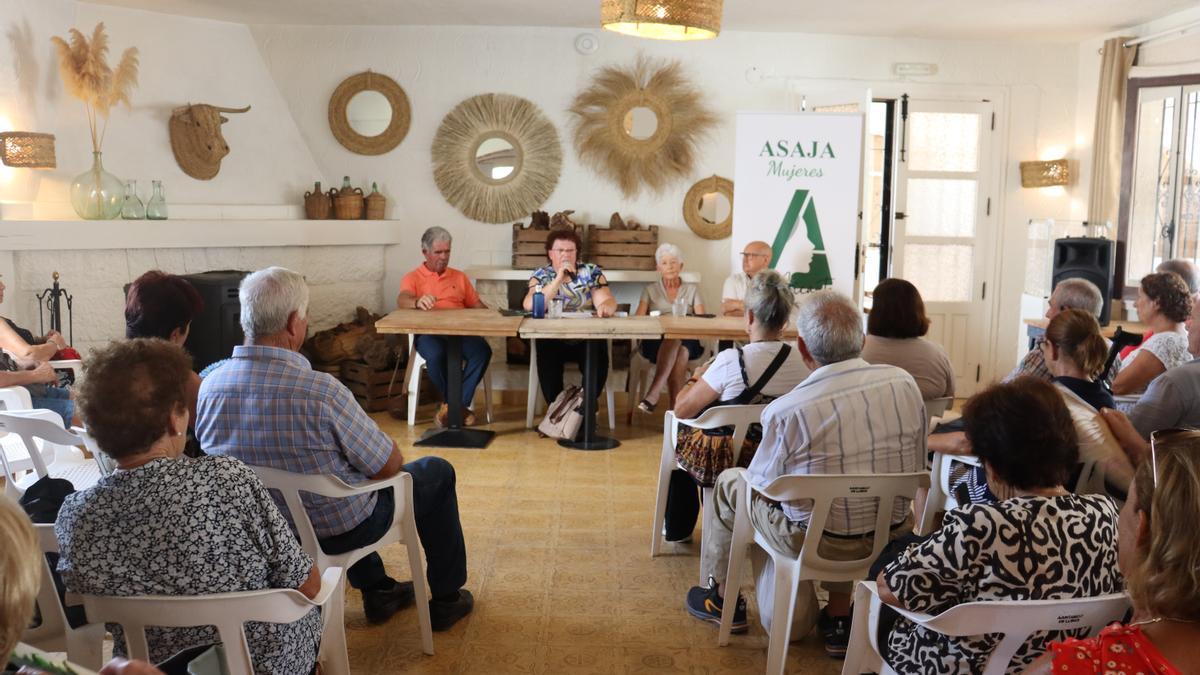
<point x="1016" y="619"/>
<point x="941" y="497"/>
<point x="50" y="450"/>
<point x="106" y="463"/>
<point x="402" y="531"/>
<point x="15" y="398"/>
<point x="533" y="398"/>
<point x="74" y="365"/>
<point x="740" y="417"/>
<point x="412" y="383"/>
<point x="936" y="407"/>
<point x="822" y="489"/>
<point x="84" y="645"/>
<point x="229" y="612"/>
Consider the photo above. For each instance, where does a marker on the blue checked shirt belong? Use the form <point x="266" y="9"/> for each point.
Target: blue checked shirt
<point x="267" y="406"/>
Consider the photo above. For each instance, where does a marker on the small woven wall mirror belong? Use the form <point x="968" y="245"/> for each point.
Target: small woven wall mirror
<point x="708" y="207"/>
<point x="496" y="158"/>
<point x="369" y="113"/>
<point x="641" y="125"/>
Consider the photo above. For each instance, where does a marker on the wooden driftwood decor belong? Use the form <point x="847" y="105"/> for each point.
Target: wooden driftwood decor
<point x="196" y="138"/>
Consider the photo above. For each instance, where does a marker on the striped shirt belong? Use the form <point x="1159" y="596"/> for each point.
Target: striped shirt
<point x="266" y="406"/>
<point x="849" y="417"/>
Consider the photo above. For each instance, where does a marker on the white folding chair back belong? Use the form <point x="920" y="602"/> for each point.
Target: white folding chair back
<point x="229" y="612"/>
<point x="941" y="497"/>
<point x="1017" y="620"/>
<point x="740" y="417"/>
<point x="936" y="407"/>
<point x="412" y="383"/>
<point x="15" y="398"/>
<point x="403" y="529"/>
<point x="822" y="489"/>
<point x="51" y="450"/>
<point x="84" y="645"/>
<point x="533" y="399"/>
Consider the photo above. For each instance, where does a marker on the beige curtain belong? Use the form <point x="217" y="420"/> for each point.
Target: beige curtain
<point x="1108" y="138"/>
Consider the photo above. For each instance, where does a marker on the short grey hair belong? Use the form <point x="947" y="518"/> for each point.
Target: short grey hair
<point x="1186" y="269"/>
<point x="268" y="297"/>
<point x="1076" y="293"/>
<point x="433" y="235"/>
<point x="665" y="250"/>
<point x="831" y="326"/>
<point x="770" y="299"/>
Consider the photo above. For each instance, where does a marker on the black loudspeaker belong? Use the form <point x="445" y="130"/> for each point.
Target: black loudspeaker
<point x="218" y="328"/>
<point x="1086" y="258"/>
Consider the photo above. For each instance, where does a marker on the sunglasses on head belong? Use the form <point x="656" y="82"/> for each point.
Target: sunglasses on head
<point x="1166" y="435"/>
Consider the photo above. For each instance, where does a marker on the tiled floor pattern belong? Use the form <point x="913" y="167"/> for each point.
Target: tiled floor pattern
<point x="559" y="562"/>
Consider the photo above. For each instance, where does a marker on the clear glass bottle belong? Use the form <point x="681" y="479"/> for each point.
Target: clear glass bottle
<point x="96" y="193"/>
<point x="156" y="208"/>
<point x="132" y="208"/>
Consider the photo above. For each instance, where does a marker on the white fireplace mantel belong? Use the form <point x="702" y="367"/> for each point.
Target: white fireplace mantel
<point x="47" y="235"/>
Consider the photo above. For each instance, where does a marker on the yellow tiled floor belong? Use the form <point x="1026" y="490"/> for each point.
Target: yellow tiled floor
<point x="558" y="551"/>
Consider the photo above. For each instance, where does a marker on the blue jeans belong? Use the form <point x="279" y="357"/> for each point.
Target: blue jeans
<point x="53" y="398"/>
<point x="435" y="505"/>
<point x="476" y="355"/>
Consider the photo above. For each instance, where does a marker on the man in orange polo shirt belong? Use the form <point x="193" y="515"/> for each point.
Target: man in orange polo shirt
<point x="436" y="285"/>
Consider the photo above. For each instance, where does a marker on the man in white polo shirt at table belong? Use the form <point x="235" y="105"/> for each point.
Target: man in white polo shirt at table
<point x="755" y="258"/>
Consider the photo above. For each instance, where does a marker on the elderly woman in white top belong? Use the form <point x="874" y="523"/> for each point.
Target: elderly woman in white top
<point x="670" y="357"/>
<point x="736" y="376"/>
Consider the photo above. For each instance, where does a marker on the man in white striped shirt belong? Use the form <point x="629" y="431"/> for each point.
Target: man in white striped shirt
<point x="847" y="417"/>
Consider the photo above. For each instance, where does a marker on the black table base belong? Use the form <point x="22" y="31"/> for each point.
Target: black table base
<point x="454" y="435"/>
<point x="590" y="440"/>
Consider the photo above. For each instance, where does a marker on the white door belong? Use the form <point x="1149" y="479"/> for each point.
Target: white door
<point x="944" y="234"/>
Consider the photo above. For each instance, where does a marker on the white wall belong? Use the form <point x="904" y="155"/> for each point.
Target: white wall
<point x="288" y="72"/>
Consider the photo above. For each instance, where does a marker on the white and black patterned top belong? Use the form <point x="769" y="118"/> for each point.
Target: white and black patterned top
<point x="188" y="527"/>
<point x="1025" y="548"/>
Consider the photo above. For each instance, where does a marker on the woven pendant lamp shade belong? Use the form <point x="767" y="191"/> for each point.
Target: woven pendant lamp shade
<point x="663" y="19"/>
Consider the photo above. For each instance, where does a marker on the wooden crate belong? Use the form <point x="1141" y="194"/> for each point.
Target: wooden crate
<point x="529" y="246"/>
<point x="621" y="249"/>
<point x="370" y="386"/>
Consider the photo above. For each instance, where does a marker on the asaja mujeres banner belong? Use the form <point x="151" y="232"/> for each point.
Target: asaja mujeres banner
<point x="797" y="187"/>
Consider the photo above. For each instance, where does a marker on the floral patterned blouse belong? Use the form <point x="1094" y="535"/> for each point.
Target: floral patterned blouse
<point x="188" y="527"/>
<point x="576" y="293"/>
<point x="1117" y="649"/>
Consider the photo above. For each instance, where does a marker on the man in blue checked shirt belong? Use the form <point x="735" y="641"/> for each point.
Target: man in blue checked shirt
<point x="266" y="406"/>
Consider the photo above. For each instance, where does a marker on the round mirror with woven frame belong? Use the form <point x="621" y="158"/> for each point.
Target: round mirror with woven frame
<point x="709" y="196"/>
<point x="342" y="127"/>
<point x="496" y="158"/>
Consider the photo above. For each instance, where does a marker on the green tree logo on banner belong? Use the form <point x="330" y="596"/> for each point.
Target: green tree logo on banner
<point x="818" y="275"/>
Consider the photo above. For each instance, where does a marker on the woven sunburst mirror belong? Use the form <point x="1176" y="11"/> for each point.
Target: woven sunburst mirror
<point x="658" y="98"/>
<point x="496" y="158"/>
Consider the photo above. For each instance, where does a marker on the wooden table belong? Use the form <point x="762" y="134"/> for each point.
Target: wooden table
<point x="594" y="332"/>
<point x="720" y="328"/>
<point x="453" y="324"/>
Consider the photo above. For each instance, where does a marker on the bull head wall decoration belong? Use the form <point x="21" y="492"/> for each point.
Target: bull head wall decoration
<point x="196" y="138"/>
